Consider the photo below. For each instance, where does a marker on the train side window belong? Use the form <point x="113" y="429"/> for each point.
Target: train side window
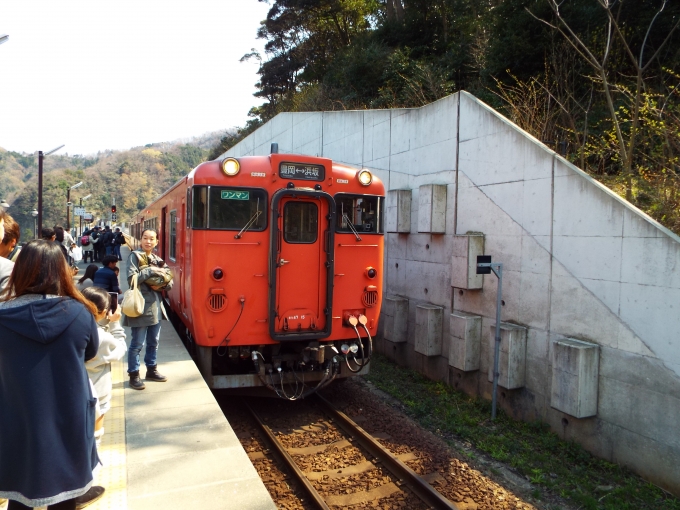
<point x="364" y="213"/>
<point x="300" y="222"/>
<point x="173" y="235"/>
<point x="237" y="208"/>
<point x="200" y="207"/>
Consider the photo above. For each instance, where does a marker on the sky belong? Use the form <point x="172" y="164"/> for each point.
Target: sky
<point x="105" y="74"/>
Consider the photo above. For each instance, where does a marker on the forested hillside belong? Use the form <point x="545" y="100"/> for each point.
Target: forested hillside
<point x="133" y="177"/>
<point x="596" y="80"/>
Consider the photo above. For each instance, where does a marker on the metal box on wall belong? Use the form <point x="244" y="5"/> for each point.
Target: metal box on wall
<point x="513" y="355"/>
<point x="575" y="371"/>
<point x="429" y="329"/>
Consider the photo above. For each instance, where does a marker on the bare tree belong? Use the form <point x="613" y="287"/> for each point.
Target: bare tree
<point x="600" y="63"/>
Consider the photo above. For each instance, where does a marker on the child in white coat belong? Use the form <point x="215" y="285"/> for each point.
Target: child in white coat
<point x="112" y="347"/>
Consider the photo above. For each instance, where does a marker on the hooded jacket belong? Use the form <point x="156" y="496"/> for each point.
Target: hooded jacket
<point x="47" y="449"/>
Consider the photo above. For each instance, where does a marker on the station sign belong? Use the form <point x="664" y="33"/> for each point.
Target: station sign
<point x="78" y="210"/>
<point x="114" y="217"/>
<point x="88" y="217"/>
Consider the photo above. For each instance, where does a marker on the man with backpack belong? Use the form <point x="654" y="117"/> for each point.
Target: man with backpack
<point x="118" y="240"/>
<point x="87" y="246"/>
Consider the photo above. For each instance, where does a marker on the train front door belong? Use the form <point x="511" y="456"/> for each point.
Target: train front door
<point x="301" y="264"/>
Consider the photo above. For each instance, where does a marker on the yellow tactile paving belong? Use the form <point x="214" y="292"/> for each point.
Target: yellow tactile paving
<point x="112" y="451"/>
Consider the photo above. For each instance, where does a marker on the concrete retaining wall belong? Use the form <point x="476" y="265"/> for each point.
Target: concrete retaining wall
<point x="580" y="264"/>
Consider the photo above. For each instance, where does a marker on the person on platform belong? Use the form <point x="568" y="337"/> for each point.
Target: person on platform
<point x="100" y="247"/>
<point x="9" y="244"/>
<point x="87" y="246"/>
<point x="118" y="241"/>
<point x="49" y="234"/>
<point x="47" y="332"/>
<point x="95" y="234"/>
<point x="112" y="347"/>
<point x="6" y="265"/>
<point x="105" y="277"/>
<point x="68" y="240"/>
<point x="106" y="239"/>
<point x="147" y="327"/>
<point x="87" y="279"/>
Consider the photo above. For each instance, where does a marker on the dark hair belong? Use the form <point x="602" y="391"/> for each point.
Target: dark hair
<point x="148" y="230"/>
<point x="41" y="268"/>
<point x="46" y="233"/>
<point x="12" y="230"/>
<point x="89" y="273"/>
<point x="59" y="231"/>
<point x="108" y="259"/>
<point x="98" y="297"/>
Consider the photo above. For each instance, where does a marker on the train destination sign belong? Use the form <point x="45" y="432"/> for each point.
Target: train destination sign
<point x="229" y="194"/>
<point x="301" y="171"/>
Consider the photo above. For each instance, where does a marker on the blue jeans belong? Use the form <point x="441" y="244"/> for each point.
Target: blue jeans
<point x="150" y="335"/>
<point x="116" y="251"/>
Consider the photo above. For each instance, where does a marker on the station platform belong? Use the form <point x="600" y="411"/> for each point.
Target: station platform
<point x="169" y="446"/>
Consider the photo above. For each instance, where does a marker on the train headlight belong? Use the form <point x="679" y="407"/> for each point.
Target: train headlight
<point x="365" y="177"/>
<point x="230" y="167"/>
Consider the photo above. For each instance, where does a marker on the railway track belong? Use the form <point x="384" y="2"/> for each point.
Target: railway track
<point x="374" y="475"/>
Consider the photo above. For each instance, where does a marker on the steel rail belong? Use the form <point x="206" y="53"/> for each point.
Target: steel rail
<point x="280" y="449"/>
<point x="420" y="487"/>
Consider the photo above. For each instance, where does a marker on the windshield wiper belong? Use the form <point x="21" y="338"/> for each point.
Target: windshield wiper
<point x="351" y="226"/>
<point x="251" y="221"/>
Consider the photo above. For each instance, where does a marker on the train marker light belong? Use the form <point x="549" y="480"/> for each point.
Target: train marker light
<point x="230" y="167"/>
<point x="365" y="177"/>
<point x="371" y="272"/>
<point x="218" y="274"/>
<point x="344" y="348"/>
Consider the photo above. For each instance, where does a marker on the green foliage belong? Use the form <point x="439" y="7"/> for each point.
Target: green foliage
<point x="134" y="178"/>
<point x="548" y="462"/>
<point x="356" y="54"/>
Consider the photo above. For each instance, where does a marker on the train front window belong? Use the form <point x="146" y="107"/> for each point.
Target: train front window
<point x="359" y="212"/>
<point x="300" y="222"/>
<point x="200" y="207"/>
<point x="237" y="209"/>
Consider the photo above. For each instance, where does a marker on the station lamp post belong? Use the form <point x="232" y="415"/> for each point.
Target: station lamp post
<point x="81" y="216"/>
<point x="34" y="213"/>
<point x="69" y="204"/>
<point x="41" y="156"/>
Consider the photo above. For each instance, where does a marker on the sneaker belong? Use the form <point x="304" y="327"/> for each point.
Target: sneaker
<point x="93" y="494"/>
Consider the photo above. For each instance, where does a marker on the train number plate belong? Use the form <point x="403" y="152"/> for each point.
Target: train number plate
<point x="301" y="171"/>
<point x="235" y="195"/>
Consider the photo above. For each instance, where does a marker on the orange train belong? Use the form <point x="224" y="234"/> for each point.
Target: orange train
<point x="278" y="268"/>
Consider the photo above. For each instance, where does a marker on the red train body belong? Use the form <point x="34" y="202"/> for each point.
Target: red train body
<point x="278" y="268"/>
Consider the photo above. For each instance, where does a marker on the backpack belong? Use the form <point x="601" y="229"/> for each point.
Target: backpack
<point x="85" y="240"/>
